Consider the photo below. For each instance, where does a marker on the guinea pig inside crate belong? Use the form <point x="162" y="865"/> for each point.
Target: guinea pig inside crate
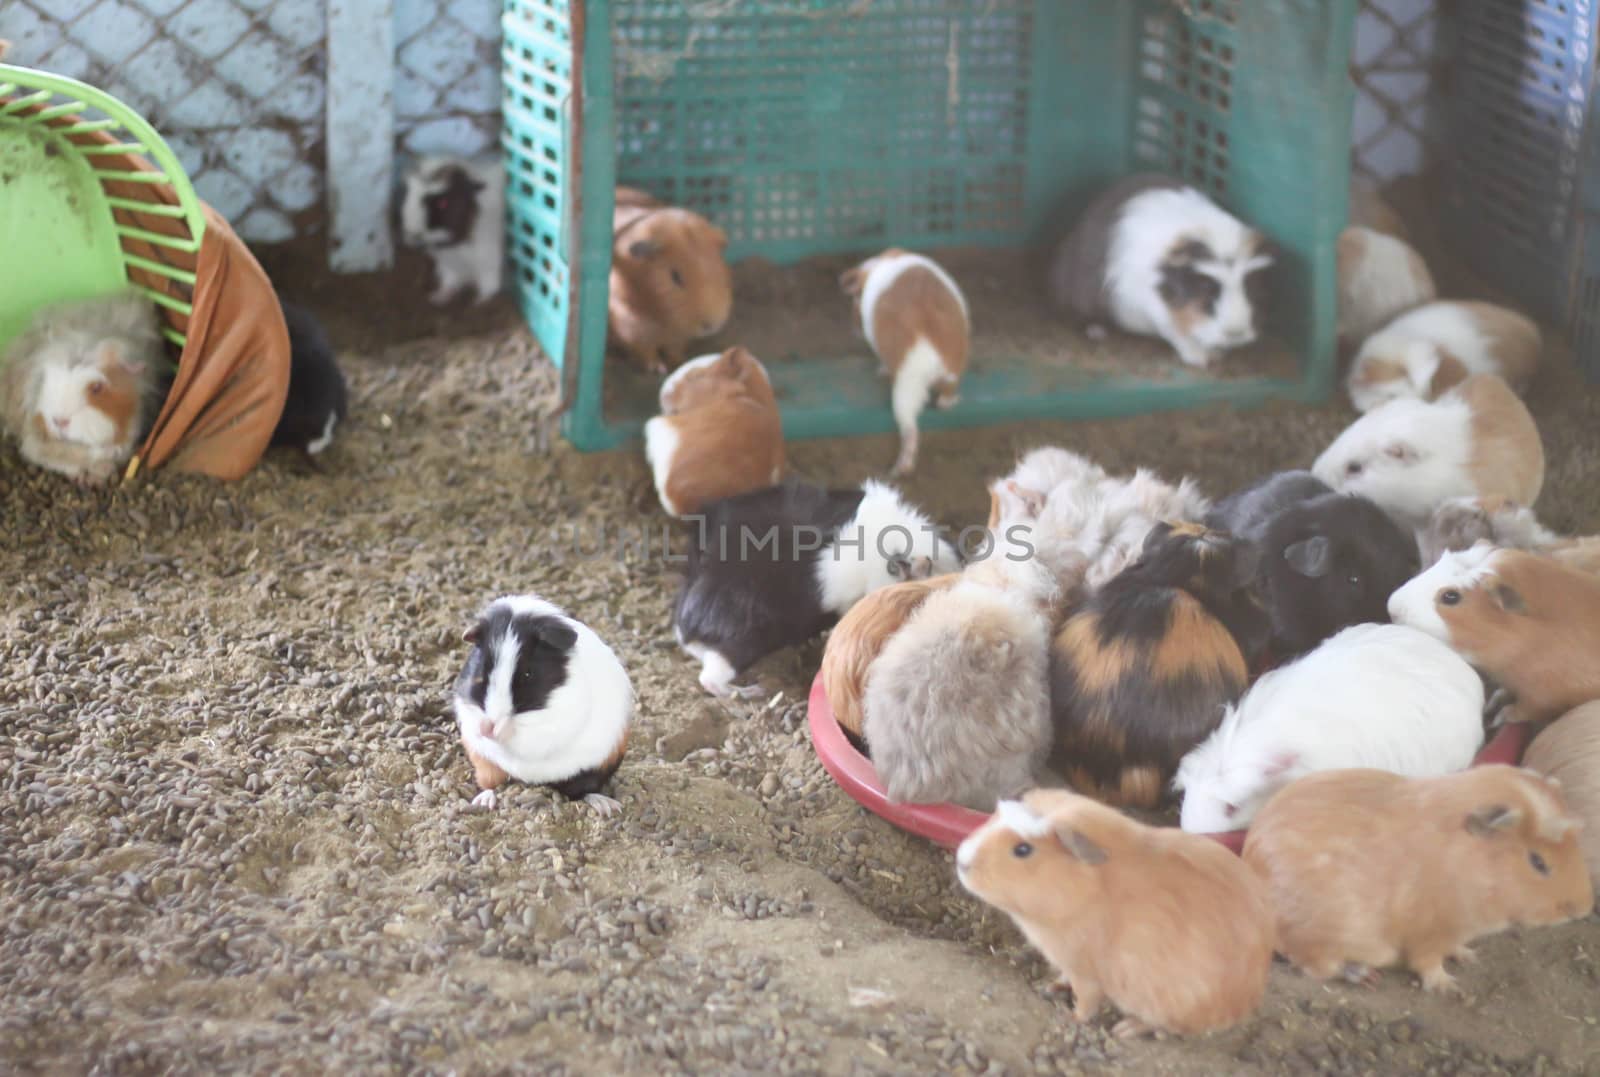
<point x="832" y="164"/>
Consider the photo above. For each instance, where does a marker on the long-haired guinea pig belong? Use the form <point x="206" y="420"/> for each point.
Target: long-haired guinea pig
<point x="542" y="699"/>
<point x="1463" y="522"/>
<point x="1158" y="258"/>
<point x="1172" y="928"/>
<point x="775" y="567"/>
<point x="1382" y="696"/>
<point x="916" y="320"/>
<point x="1327" y="560"/>
<point x="719" y="432"/>
<point x="1142" y="672"/>
<point x="1038" y="472"/>
<point x="1568" y="750"/>
<point x="957" y="704"/>
<point x="858" y="639"/>
<point x="669" y="281"/>
<point x="318" y="399"/>
<point x="1526" y="621"/>
<point x="1409" y="455"/>
<point x="455" y="210"/>
<point x="78" y="386"/>
<point x="1380" y="278"/>
<point x="1367" y="869"/>
<point x="1438" y="346"/>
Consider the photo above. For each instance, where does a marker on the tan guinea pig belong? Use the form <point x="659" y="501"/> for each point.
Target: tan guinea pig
<point x="1524" y="620"/>
<point x="1171" y="927"/>
<point x="1433" y="348"/>
<point x="719" y="432"/>
<point x="1368" y="869"/>
<point x="859" y="637"/>
<point x="1568" y="750"/>
<point x="669" y="282"/>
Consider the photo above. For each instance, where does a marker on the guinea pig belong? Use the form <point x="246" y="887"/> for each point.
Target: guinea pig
<point x="79" y="386"/>
<point x="1438" y="346"/>
<point x="1158" y="258"/>
<point x="1171" y="927"/>
<point x="318" y="399"/>
<point x="917" y="322"/>
<point x="1327" y="560"/>
<point x="1038" y="472"/>
<point x="1141" y="673"/>
<point x="1409" y="455"/>
<point x="858" y="639"/>
<point x="1462" y="522"/>
<point x="669" y="281"/>
<point x="956" y="706"/>
<point x="455" y="210"/>
<point x="1369" y="209"/>
<point x="1380" y="278"/>
<point x="773" y="568"/>
<point x="1382" y="696"/>
<point x="1367" y="869"/>
<point x="719" y="432"/>
<point x="1568" y="750"/>
<point x="1528" y="622"/>
<point x="542" y="699"/>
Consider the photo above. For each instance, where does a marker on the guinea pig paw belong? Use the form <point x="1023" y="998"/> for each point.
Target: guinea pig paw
<point x="1441" y="982"/>
<point x="1130" y="1028"/>
<point x="485" y="801"/>
<point x="605" y="807"/>
<point x="1466" y="955"/>
<point x="1361" y="975"/>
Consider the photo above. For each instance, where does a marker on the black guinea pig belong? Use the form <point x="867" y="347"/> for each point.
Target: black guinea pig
<point x="1141" y="673"/>
<point x="1247" y="513"/>
<point x="318" y="399"/>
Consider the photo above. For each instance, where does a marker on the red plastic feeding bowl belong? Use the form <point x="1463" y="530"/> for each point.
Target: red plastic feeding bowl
<point x="947" y="824"/>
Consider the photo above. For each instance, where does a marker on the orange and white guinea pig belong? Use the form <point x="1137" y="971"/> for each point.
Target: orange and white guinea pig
<point x="669" y="281"/>
<point x="719" y="432"/>
<point x="916" y="319"/>
<point x="1436" y="347"/>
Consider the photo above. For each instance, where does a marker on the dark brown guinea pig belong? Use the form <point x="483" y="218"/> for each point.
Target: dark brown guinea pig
<point x="1140" y="674"/>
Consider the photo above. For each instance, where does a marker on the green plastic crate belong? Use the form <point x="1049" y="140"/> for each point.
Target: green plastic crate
<point x="805" y="127"/>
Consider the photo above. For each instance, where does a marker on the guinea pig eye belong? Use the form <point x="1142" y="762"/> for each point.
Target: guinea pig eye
<point x="1354" y="581"/>
<point x="1230" y="810"/>
<point x="1538" y="864"/>
<point x="677" y="278"/>
<point x="1353" y="468"/>
<point x="1449" y="597"/>
<point x="96" y="387"/>
<point x="1021" y="849"/>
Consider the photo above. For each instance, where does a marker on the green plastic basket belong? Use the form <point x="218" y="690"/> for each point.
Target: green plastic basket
<point x="59" y="226"/>
<point x="806" y="127"/>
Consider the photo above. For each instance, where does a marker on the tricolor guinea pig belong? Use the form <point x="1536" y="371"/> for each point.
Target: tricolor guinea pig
<point x="917" y="322"/>
<point x="455" y="210"/>
<point x="670" y="284"/>
<point x="1407" y="456"/>
<point x="1155" y="257"/>
<point x="775" y="567"/>
<point x="1380" y="278"/>
<point x="1142" y="672"/>
<point x="1568" y="750"/>
<point x="79" y="386"/>
<point x="1436" y="347"/>
<point x="1382" y="696"/>
<point x="1368" y="869"/>
<point x="719" y="432"/>
<point x="542" y="699"/>
<point x="1526" y="621"/>
<point x="1172" y="928"/>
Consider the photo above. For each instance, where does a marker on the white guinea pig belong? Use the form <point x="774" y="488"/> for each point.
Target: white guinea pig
<point x="1158" y="258"/>
<point x="1380" y="696"/>
<point x="455" y="210"/>
<point x="1410" y="455"/>
<point x="1380" y="277"/>
<point x="1436" y="347"/>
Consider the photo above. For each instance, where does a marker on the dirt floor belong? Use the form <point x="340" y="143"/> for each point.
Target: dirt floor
<point x="234" y="823"/>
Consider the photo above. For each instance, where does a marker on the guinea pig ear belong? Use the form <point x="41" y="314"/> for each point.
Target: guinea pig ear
<point x="1310" y="557"/>
<point x="557" y="635"/>
<point x="1079" y="847"/>
<point x="1491" y="819"/>
<point x="113" y="354"/>
<point x="853" y="281"/>
<point x="1421" y="363"/>
<point x="473" y="634"/>
<point x="1508" y="598"/>
<point x="899" y="568"/>
<point x="644" y="249"/>
<point x="732" y="362"/>
<point x="1279" y="763"/>
<point x="1014" y="494"/>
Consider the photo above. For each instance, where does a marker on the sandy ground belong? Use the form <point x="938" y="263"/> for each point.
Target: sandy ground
<point x="234" y="832"/>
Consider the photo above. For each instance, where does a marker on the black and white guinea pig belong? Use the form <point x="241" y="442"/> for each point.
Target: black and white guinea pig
<point x="318" y="399"/>
<point x="1156" y="257"/>
<point x="1326" y="560"/>
<point x="773" y="568"/>
<point x="542" y="699"/>
<point x="455" y="209"/>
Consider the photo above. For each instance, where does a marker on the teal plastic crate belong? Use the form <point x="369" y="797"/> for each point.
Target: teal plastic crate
<point x="808" y="127"/>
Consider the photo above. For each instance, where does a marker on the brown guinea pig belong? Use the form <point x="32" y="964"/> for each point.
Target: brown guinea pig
<point x="669" y="282"/>
<point x="719" y="432"/>
<point x="860" y="636"/>
<point x="1568" y="750"/>
<point x="1368" y="869"/>
<point x="1528" y="622"/>
<point x="1171" y="927"/>
<point x="1143" y="671"/>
